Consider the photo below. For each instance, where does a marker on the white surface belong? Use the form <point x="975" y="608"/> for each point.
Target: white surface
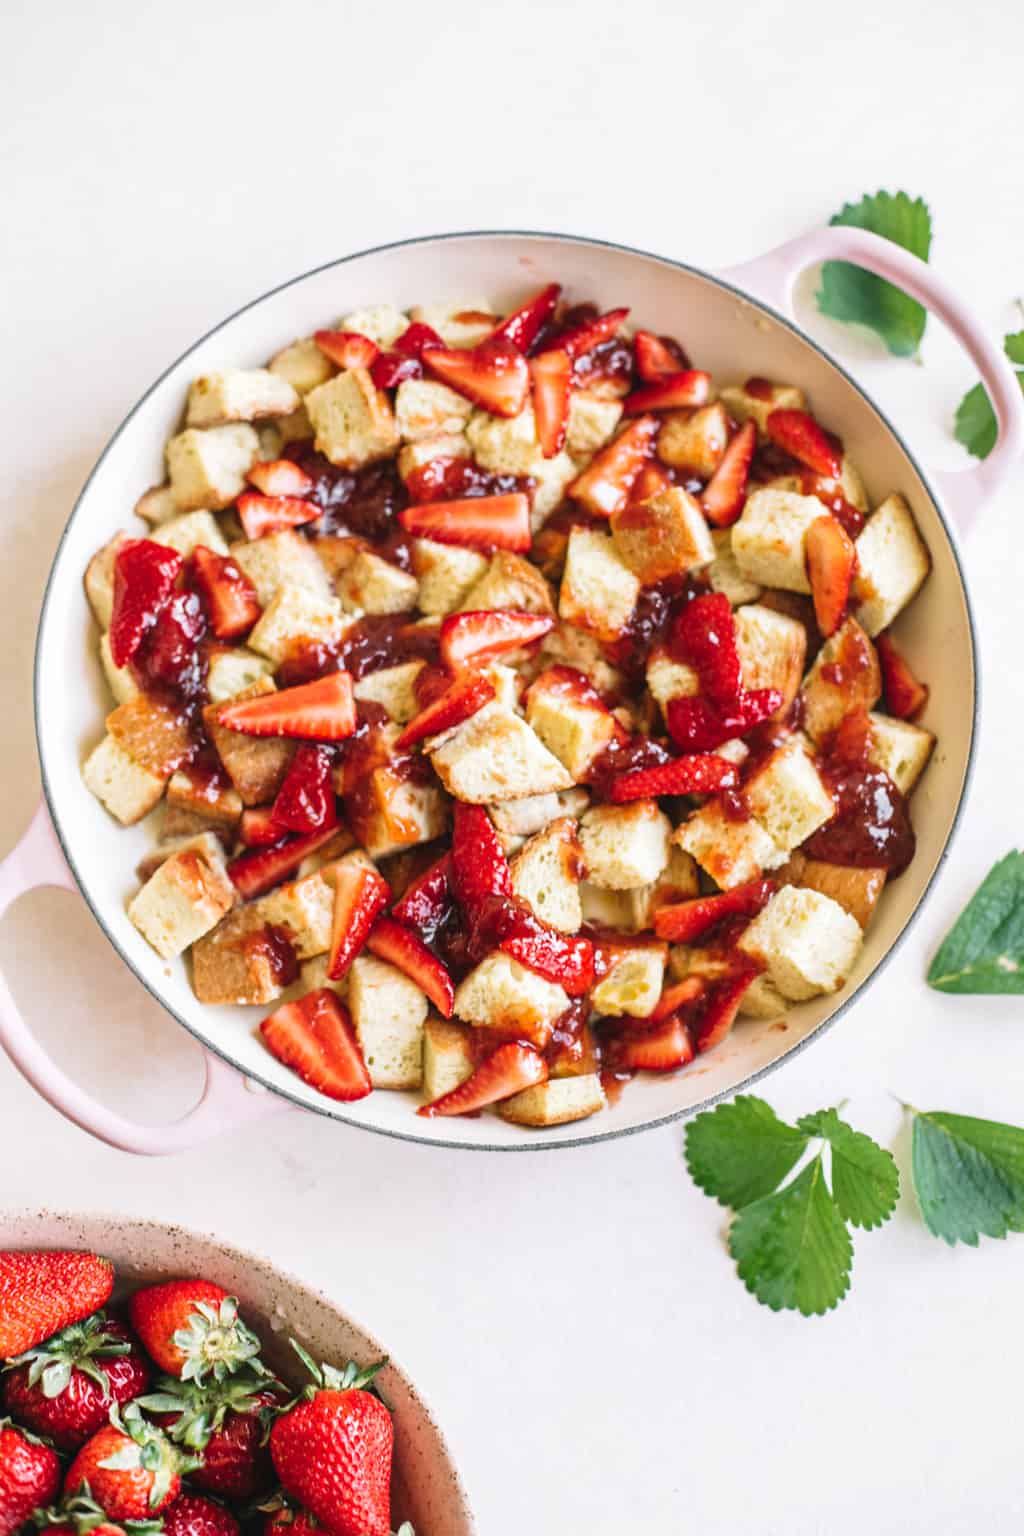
<point x="573" y="1318"/>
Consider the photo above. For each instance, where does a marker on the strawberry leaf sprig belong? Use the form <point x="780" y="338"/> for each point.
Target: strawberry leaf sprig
<point x="82" y="1514"/>
<point x="323" y="1377"/>
<point x="854" y="295"/>
<point x="81" y="1346"/>
<point x="975" y="425"/>
<point x="202" y="1408"/>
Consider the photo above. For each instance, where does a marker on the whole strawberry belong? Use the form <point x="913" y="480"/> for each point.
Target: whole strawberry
<point x="226" y="1422"/>
<point x="29" y="1476"/>
<point x="283" y="1519"/>
<point x="193" y="1515"/>
<point x="332" y="1451"/>
<point x="65" y="1387"/>
<point x="82" y="1516"/>
<point x="41" y="1293"/>
<point x="129" y="1467"/>
<point x="192" y="1330"/>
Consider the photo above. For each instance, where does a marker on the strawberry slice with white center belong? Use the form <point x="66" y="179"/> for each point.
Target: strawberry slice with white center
<point x="479" y="868"/>
<point x="721" y="1004"/>
<point x="144" y="576"/>
<point x="305" y="802"/>
<point x="399" y="946"/>
<point x="260" y="515"/>
<point x="657" y="357"/>
<point x="258" y="829"/>
<point x="425" y="903"/>
<point x="228" y="595"/>
<point x="324" y="710"/>
<point x="480" y="635"/>
<point x="665" y="1048"/>
<point x="831" y="562"/>
<point x="905" y="696"/>
<point x="803" y="439"/>
<point x="723" y="497"/>
<point x="457" y="703"/>
<point x="254" y="873"/>
<point x="690" y="387"/>
<point x="349" y="349"/>
<point x="698" y="774"/>
<point x="686" y="921"/>
<point x="280" y="477"/>
<point x="508" y="1070"/>
<point x="315" y="1038"/>
<point x="524" y="325"/>
<point x="605" y="485"/>
<point x="493" y="375"/>
<point x="584" y="338"/>
<point x="551" y="383"/>
<point x="475" y="522"/>
<point x="360" y="895"/>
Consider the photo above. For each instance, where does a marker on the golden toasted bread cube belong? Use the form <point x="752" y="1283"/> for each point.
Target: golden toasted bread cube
<point x="156" y="505"/>
<point x="302" y="365"/>
<point x="546" y="875"/>
<point x="695" y="440"/>
<point x="213" y="800"/>
<point x="856" y="889"/>
<point x="382" y="323"/>
<point x="425" y="409"/>
<point x="744" y="406"/>
<point x="576" y="730"/>
<point x="731" y="852"/>
<point x="632" y="984"/>
<point x="238" y="394"/>
<point x="388" y="1012"/>
<point x="180" y="902"/>
<point x="892" y="563"/>
<point x="772" y="649"/>
<point x="208" y="468"/>
<point x="664" y="536"/>
<point x="788" y="796"/>
<point x="294" y="616"/>
<point x="556" y="1102"/>
<point x="352" y="420"/>
<point x="501" y="994"/>
<point x="625" y="846"/>
<point x="495" y="756"/>
<point x="845" y="676"/>
<point x="281" y="559"/>
<point x="231" y="670"/>
<point x="599" y="591"/>
<point x="770" y="539"/>
<point x="206" y="844"/>
<point x="592" y="423"/>
<point x="463" y="324"/>
<point x="414" y="456"/>
<point x="900" y="749"/>
<point x="124" y="787"/>
<point x="445" y="574"/>
<point x="508" y="582"/>
<point x="724" y="573"/>
<point x="153" y="733"/>
<point x="240" y="962"/>
<point x="304" y="908"/>
<point x="447" y="1056"/>
<point x="372" y="584"/>
<point x="120" y="680"/>
<point x="188" y="530"/>
<point x="394" y="688"/>
<point x="256" y="765"/>
<point x="807" y="942"/>
<point x="99" y="580"/>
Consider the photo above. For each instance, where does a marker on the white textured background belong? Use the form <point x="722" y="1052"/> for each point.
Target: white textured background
<point x="573" y="1317"/>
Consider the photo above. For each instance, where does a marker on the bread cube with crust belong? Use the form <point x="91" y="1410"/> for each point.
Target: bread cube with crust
<point x="427" y="450"/>
<point x="788" y="797"/>
<point x="99" y="580"/>
<point x="295" y="615"/>
<point x="599" y="591"/>
<point x="406" y="813"/>
<point x="153" y="732"/>
<point x="124" y="787"/>
<point x="182" y="901"/>
<point x="394" y="688"/>
<point x="374" y="585"/>
<point x="383" y="323"/>
<point x="892" y="563"/>
<point x="517" y="819"/>
<point x="900" y="749"/>
<point x="509" y="581"/>
<point x="278" y="559"/>
<point x="625" y="846"/>
<point x="238" y="394"/>
<point x="772" y="648"/>
<point x="546" y="875"/>
<point x="668" y="678"/>
<point x="447" y="1056"/>
<point x="190" y="529"/>
<point x="550" y="479"/>
<point x="207" y="467"/>
<point x="352" y="420"/>
<point x="234" y="964"/>
<point x="495" y="756"/>
<point x="770" y="539"/>
<point x="256" y="765"/>
<point x="501" y="994"/>
<point x="575" y="724"/>
<point x="207" y="796"/>
<point x="206" y="844"/>
<point x="666" y="535"/>
<point x="744" y="406"/>
<point x="602" y="908"/>
<point x="731" y="852"/>
<point x="120" y="680"/>
<point x="632" y="984"/>
<point x="677" y="882"/>
<point x="572" y="647"/>
<point x="426" y="409"/>
<point x="856" y="889"/>
<point x="156" y="505"/>
<point x="806" y="941"/>
<point x="556" y="1102"/>
<point x="724" y="573"/>
<point x="304" y="908"/>
<point x="388" y="1012"/>
<point x="592" y="423"/>
<point x="845" y="676"/>
<point x="695" y="440"/>
<point x="465" y="323"/>
<point x="302" y="365"/>
<point x="506" y="445"/>
<point x="231" y="670"/>
<point x="445" y="573"/>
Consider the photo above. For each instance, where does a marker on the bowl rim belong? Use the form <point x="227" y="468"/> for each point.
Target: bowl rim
<point x="530" y="1144"/>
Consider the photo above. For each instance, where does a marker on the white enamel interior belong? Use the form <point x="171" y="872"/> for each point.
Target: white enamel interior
<point x="724" y="333"/>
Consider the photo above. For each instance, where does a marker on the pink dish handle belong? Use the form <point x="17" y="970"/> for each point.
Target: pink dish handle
<point x="770" y="278"/>
<point x="226" y="1101"/>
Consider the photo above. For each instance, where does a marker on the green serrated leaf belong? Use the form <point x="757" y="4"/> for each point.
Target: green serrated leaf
<point x="968" y="1176"/>
<point x="1013" y="346"/>
<point x="984" y="950"/>
<point x="975" y="424"/>
<point x="741" y="1151"/>
<point x="792" y="1248"/>
<point x="865" y="1179"/>
<point x="851" y="294"/>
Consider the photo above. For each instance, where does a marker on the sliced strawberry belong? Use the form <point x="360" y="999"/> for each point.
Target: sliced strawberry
<point x="657" y="357"/>
<point x="479" y="868"/>
<point x="605" y="485"/>
<point x="584" y="338"/>
<point x="425" y="904"/>
<point x="393" y="368"/>
<point x="494" y="374"/>
<point x="348" y="349"/>
<point x="508" y="1070"/>
<point x="690" y="387"/>
<point x="802" y="438"/>
<point x="721" y="1004"/>
<point x="480" y="635"/>
<point x="314" y="1037"/>
<point x="465" y="696"/>
<point x="360" y="895"/>
<point x="305" y="802"/>
<point x="705" y="631"/>
<point x="254" y="873"/>
<point x="725" y="493"/>
<point x="228" y="594"/>
<point x="905" y="696"/>
<point x="551" y="382"/>
<point x="258" y="829"/>
<point x="398" y="945"/>
<point x="524" y="325"/>
<point x="686" y="921"/>
<point x="665" y="1048"/>
<point x="280" y="477"/>
<point x="698" y="774"/>
<point x="144" y="577"/>
<point x="564" y="958"/>
<point x="477" y="522"/>
<point x="697" y="726"/>
<point x="831" y="562"/>
<point x="415" y="338"/>
<point x="672" y="999"/>
<point x="324" y="710"/>
<point x="260" y="515"/>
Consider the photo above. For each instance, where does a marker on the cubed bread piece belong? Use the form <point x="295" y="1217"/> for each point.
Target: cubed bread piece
<point x="232" y="669"/>
<point x="892" y="562"/>
<point x="572" y="647"/>
<point x="190" y="529"/>
<point x="403" y="814"/>
<point x="206" y="844"/>
<point x="352" y="420"/>
<point x="501" y="994"/>
<point x="383" y="323"/>
<point x="415" y="456"/>
<point x="374" y="585"/>
<point x="695" y="440"/>
<point x="154" y="734"/>
<point x="769" y="540"/>
<point x="845" y="676"/>
<point x="447" y="1056"/>
<point x="278" y="559"/>
<point x="556" y="1102"/>
<point x="495" y="755"/>
<point x="99" y="580"/>
<point x="625" y="846"/>
<point x="394" y="688"/>
<point x="240" y="962"/>
<point x="772" y="649"/>
<point x="664" y="536"/>
<point x="425" y="408"/>
<point x="592" y="423"/>
<point x="126" y="789"/>
<point x="522" y="818"/>
<point x="465" y="323"/>
<point x="182" y="901"/>
<point x="632" y="984"/>
<point x="677" y="882"/>
<point x="336" y="552"/>
<point x="238" y="394"/>
<point x="724" y="573"/>
<point x="506" y="445"/>
<point x="256" y="765"/>
<point x="313" y="976"/>
<point x="550" y="479"/>
<point x="388" y="1011"/>
<point x="120" y="680"/>
<point x="546" y="875"/>
<point x="293" y="616"/>
<point x="900" y="749"/>
<point x="807" y="942"/>
<point x="742" y="405"/>
<point x="445" y="573"/>
<point x="668" y="678"/>
<point x="156" y="505"/>
<point x="607" y="909"/>
<point x="177" y="824"/>
<point x="304" y="908"/>
<point x="207" y="469"/>
<point x="731" y="852"/>
<point x="206" y="795"/>
<point x="788" y="796"/>
<point x="599" y="592"/>
<point x="302" y="365"/>
<point x="573" y="724"/>
<point x="857" y="890"/>
<point x="509" y="581"/>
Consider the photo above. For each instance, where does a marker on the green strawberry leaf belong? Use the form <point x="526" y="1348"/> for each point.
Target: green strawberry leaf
<point x="851" y="294"/>
<point x="975" y="425"/>
<point x="984" y="950"/>
<point x="741" y="1151"/>
<point x="865" y="1179"/>
<point x="793" y="1248"/>
<point x="968" y="1176"/>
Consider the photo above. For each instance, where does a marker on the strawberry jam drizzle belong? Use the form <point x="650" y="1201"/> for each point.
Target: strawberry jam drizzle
<point x="274" y="946"/>
<point x="365" y="502"/>
<point x="447" y="479"/>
